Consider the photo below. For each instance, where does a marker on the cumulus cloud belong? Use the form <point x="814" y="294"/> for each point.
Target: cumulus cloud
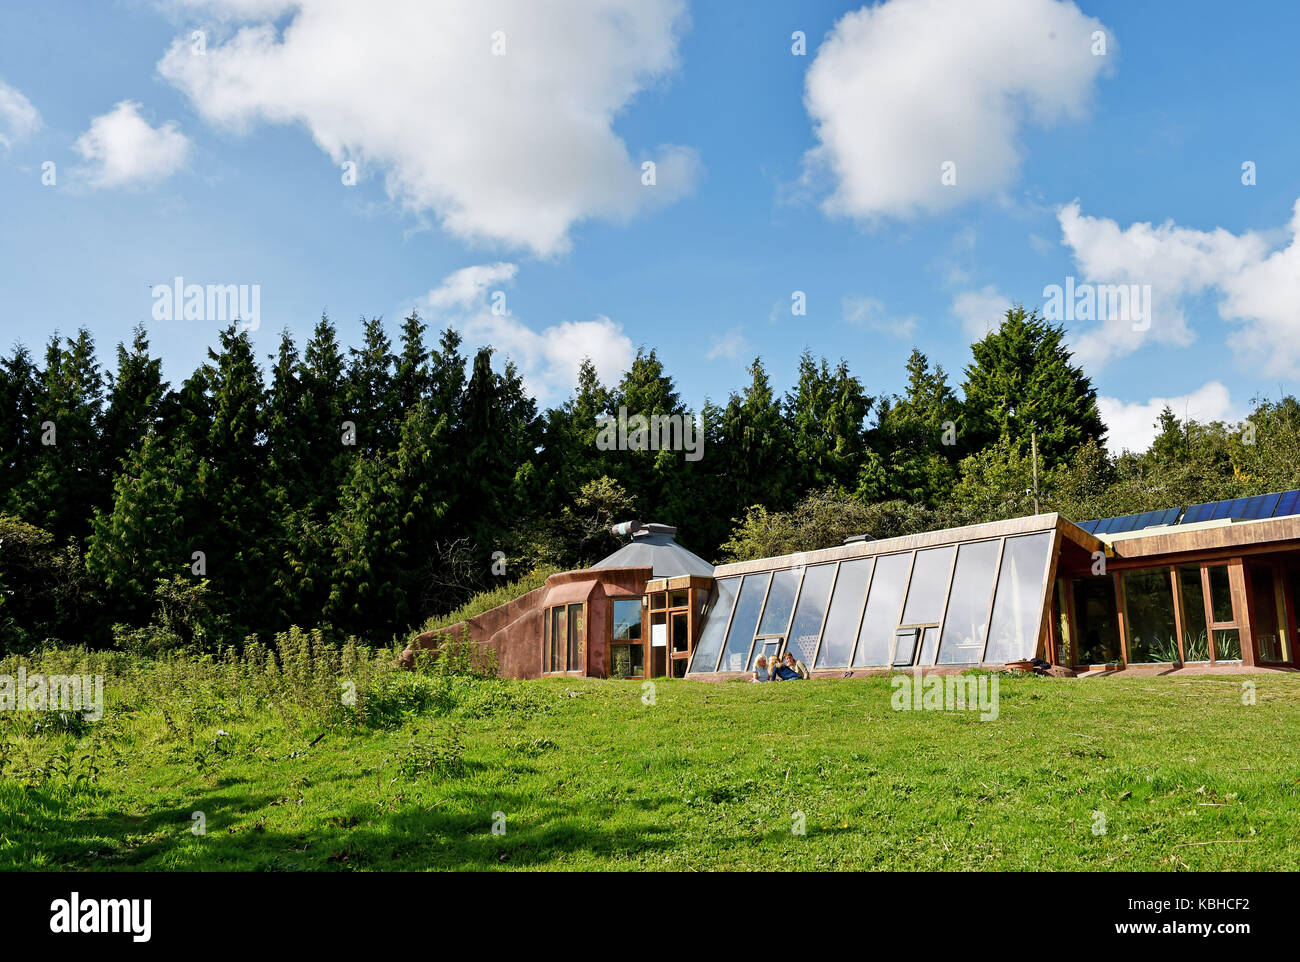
<point x="1132" y="425"/>
<point x="18" y="118"/>
<point x="899" y="89"/>
<point x="496" y="115"/>
<point x="121" y="148"/>
<point x="468" y="285"/>
<point x="548" y="359"/>
<point x="1257" y="287"/>
<point x="980" y="311"/>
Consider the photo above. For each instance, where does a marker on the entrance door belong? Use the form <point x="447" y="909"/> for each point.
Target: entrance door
<point x="1268" y="615"/>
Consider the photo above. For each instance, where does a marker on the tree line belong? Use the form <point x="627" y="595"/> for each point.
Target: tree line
<point x="365" y="490"/>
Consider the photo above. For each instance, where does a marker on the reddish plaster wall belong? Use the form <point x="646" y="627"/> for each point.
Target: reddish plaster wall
<point x="515" y="630"/>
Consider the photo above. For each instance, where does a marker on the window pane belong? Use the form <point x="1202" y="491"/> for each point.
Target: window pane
<point x="1227" y="645"/>
<point x="1013" y="634"/>
<point x="1149" y="602"/>
<point x="929" y="582"/>
<point x="810" y="611"/>
<point x="966" y="623"/>
<point x="905" y="645"/>
<point x="626" y="661"/>
<point x="559" y="632"/>
<point x="743" y="622"/>
<point x="1221" y="595"/>
<point x="627" y="620"/>
<point x="577" y="639"/>
<point x="881" y="617"/>
<point x="842" y="620"/>
<point x="1196" y="640"/>
<point x="715" y="626"/>
<point x="1096" y="620"/>
<point x="780" y="602"/>
<point x="679" y="599"/>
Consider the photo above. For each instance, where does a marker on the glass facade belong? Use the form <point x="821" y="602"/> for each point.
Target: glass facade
<point x="965" y="626"/>
<point x="808" y="616"/>
<point x="985" y="601"/>
<point x="1196" y="636"/>
<point x="1018" y="602"/>
<point x="780" y="602"/>
<point x="1096" y="620"/>
<point x="1149" y="606"/>
<point x="842" y="620"/>
<point x="876" y="639"/>
<point x="715" y="625"/>
<point x="934" y="605"/>
<point x="740" y="639"/>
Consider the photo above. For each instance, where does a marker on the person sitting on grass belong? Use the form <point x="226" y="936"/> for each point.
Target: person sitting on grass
<point x="760" y="670"/>
<point x="792" y="670"/>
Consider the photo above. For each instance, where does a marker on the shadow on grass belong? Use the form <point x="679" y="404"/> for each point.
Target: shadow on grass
<point x="50" y="826"/>
<point x="364" y="838"/>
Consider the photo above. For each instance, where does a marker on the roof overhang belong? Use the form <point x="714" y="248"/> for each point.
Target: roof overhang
<point x="929" y="539"/>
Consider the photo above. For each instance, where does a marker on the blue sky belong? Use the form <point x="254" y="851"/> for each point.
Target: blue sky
<point x="519" y="171"/>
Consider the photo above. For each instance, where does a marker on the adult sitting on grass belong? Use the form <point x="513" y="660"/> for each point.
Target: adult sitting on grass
<point x="792" y="670"/>
<point x="760" y="670"/>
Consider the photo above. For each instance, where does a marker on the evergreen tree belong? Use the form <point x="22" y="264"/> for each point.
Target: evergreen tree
<point x="135" y="400"/>
<point x="755" y="449"/>
<point x="412" y="381"/>
<point x="917" y="440"/>
<point x="826" y="415"/>
<point x="66" y="481"/>
<point x="19" y="427"/>
<point x="371" y="402"/>
<point x="1022" y="381"/>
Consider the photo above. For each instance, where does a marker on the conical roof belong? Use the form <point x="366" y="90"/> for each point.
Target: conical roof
<point x="654" y="546"/>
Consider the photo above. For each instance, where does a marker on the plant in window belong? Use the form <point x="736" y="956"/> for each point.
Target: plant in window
<point x="1164" y="650"/>
<point x="621" y="658"/>
<point x="1196" y="645"/>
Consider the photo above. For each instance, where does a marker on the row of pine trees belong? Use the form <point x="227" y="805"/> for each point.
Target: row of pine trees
<point x="365" y="489"/>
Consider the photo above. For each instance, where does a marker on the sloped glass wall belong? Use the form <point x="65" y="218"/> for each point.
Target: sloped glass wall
<point x="956" y="604"/>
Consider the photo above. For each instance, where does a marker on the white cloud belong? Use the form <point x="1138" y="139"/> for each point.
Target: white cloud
<point x="18" y="118"/>
<point x="1132" y="425"/>
<point x="899" y="89"/>
<point x="980" y="311"/>
<point x="512" y="149"/>
<point x="548" y="359"/>
<point x="1257" y="288"/>
<point x="121" y="148"/>
<point x="870" y="313"/>
<point x="730" y="345"/>
<point x="468" y="285"/>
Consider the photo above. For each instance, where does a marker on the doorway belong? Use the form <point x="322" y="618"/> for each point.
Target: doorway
<point x="1268" y="613"/>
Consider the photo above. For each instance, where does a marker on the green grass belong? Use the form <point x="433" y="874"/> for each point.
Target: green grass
<point x="707" y="777"/>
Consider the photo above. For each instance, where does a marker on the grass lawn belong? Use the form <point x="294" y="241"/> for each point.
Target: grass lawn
<point x="587" y="776"/>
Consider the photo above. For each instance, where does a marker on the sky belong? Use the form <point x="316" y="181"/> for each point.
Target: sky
<point x="716" y="181"/>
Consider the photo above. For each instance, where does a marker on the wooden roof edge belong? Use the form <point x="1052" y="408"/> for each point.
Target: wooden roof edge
<point x="1029" y="524"/>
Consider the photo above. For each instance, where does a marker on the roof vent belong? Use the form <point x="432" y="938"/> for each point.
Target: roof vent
<point x="636" y="529"/>
<point x="858" y="538"/>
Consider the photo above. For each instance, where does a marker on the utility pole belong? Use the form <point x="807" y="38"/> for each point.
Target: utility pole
<point x="1033" y="447"/>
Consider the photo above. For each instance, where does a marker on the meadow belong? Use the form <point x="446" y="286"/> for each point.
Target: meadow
<point x="306" y="757"/>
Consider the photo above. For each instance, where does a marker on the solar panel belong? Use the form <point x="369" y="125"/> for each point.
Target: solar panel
<point x="1251" y="508"/>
